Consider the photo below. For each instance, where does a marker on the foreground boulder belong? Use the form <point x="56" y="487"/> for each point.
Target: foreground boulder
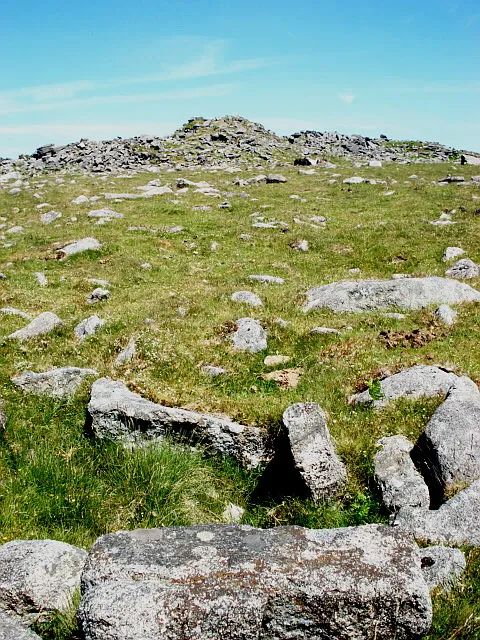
<point x="400" y="483"/>
<point x="404" y="293"/>
<point x="41" y="325"/>
<point x="114" y="412"/>
<point x="61" y="382"/>
<point x="415" y="382"/>
<point x="313" y="450"/>
<point x="216" y="582"/>
<point x="12" y="628"/>
<point x="38" y="577"/>
<point x="456" y="522"/>
<point x="450" y="445"/>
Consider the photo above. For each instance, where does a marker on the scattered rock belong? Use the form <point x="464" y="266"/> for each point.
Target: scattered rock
<point x="300" y="245"/>
<point x="275" y="361"/>
<point x="61" y="382"/>
<point x="88" y="327"/>
<point x="416" y="382"/>
<point x="275" y="178"/>
<point x="237" y="582"/>
<point x="463" y="270"/>
<point x="451" y="253"/>
<point x="105" y="213"/>
<point x="325" y="331"/>
<point x="41" y="325"/>
<point x="49" y="217"/>
<point x="442" y="566"/>
<point x="98" y="295"/>
<point x="233" y="513"/>
<point x="116" y="413"/>
<point x="78" y="246"/>
<point x="446" y="315"/>
<point x="267" y="279"/>
<point x="127" y="354"/>
<point x="41" y="278"/>
<point x="38" y="577"/>
<point x="212" y="371"/>
<point x="406" y="293"/>
<point x="12" y="311"/>
<point x="313" y="450"/>
<point x="247" y="297"/>
<point x="399" y="481"/>
<point x="249" y="336"/>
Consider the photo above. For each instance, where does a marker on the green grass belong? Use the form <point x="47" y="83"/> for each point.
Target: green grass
<point x="56" y="482"/>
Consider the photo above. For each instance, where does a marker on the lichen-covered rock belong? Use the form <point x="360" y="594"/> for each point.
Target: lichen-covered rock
<point x="249" y="336"/>
<point x="13" y="628"/>
<point x="41" y="325"/>
<point x="404" y="293"/>
<point x="450" y="445"/>
<point x="415" y="382"/>
<point x="78" y="246"/>
<point x="119" y="414"/>
<point x="442" y="566"/>
<point x="61" y="382"/>
<point x="313" y="450"/>
<point x="247" y="297"/>
<point x="38" y="577"/>
<point x="399" y="481"/>
<point x="456" y="522"/>
<point x="236" y="582"/>
<point x="88" y="327"/>
<point x="464" y="269"/>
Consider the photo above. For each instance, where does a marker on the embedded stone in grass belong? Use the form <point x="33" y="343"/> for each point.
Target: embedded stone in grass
<point x="233" y="513"/>
<point x="41" y="278"/>
<point x="442" y="566"/>
<point x="399" y="481"/>
<point x="78" y="246"/>
<point x="80" y="200"/>
<point x="212" y="371"/>
<point x="354" y="180"/>
<point x="464" y="270"/>
<point x="60" y="382"/>
<point x="446" y="314"/>
<point x="406" y="293"/>
<point x="43" y="324"/>
<point x="454" y="523"/>
<point x="300" y="245"/>
<point x="415" y="382"/>
<point x="451" y="253"/>
<point x="238" y="582"/>
<point x="127" y="354"/>
<point x="13" y="628"/>
<point x="98" y="295"/>
<point x="313" y="450"/>
<point x="450" y="444"/>
<point x="39" y="577"/>
<point x="266" y="279"/>
<point x="325" y="331"/>
<point x="49" y="217"/>
<point x="247" y="297"/>
<point x="285" y="378"/>
<point x="12" y="311"/>
<point x="249" y="336"/>
<point x="105" y="213"/>
<point x="275" y="178"/>
<point x="275" y="361"/>
<point x="88" y="327"/>
<point x="116" y="413"/>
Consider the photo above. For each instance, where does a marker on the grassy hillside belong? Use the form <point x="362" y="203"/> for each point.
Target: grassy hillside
<point x="57" y="482"/>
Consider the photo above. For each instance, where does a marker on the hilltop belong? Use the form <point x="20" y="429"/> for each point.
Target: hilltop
<point x="227" y="142"/>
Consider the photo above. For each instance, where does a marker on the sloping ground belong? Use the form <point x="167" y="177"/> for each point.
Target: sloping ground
<point x="164" y="272"/>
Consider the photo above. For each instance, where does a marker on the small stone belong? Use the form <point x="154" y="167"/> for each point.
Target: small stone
<point x="300" y="245"/>
<point x="275" y="361"/>
<point x="247" y="297"/>
<point x="41" y="278"/>
<point x="80" y="200"/>
<point x="267" y="279"/>
<point x="88" y="327"/>
<point x="275" y="178"/>
<point x="354" y="180"/>
<point x="446" y="314"/>
<point x="464" y="269"/>
<point x="285" y="378"/>
<point x="212" y="371"/>
<point x="11" y="311"/>
<point x="127" y="354"/>
<point x="233" y="513"/>
<point x="57" y="383"/>
<point x="41" y="325"/>
<point x="78" y="246"/>
<point x="105" y="213"/>
<point x="249" y="336"/>
<point x="451" y="253"/>
<point x="98" y="295"/>
<point x="49" y="217"/>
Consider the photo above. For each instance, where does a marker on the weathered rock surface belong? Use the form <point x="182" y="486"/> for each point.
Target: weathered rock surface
<point x="61" y="382"/>
<point x="127" y="354"/>
<point x="442" y="566"/>
<point x="12" y="628"/>
<point x="456" y="522"/>
<point x="446" y="315"/>
<point x="44" y="323"/>
<point x="78" y="246"/>
<point x="247" y="297"/>
<point x="236" y="582"/>
<point x="450" y="445"/>
<point x="116" y="413"/>
<point x="249" y="336"/>
<point x="405" y="293"/>
<point x="451" y="253"/>
<point x="88" y="327"/>
<point x="415" y="382"/>
<point x="313" y="450"/>
<point x="38" y="577"/>
<point x="399" y="481"/>
<point x="464" y="269"/>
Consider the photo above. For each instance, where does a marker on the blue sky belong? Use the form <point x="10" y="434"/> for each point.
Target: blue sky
<point x="102" y="68"/>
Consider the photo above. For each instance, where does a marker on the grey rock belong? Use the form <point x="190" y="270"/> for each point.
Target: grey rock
<point x="451" y="253"/>
<point x="399" y="481"/>
<point x="118" y="414"/>
<point x="325" y="331"/>
<point x="127" y="354"/>
<point x="233" y="513"/>
<point x="80" y="200"/>
<point x="275" y="361"/>
<point x="249" y="336"/>
<point x="49" y="217"/>
<point x="275" y="178"/>
<point x="313" y="450"/>
<point x="354" y="180"/>
<point x="300" y="245"/>
<point x="442" y="566"/>
<point x="61" y="382"/>
<point x="216" y="582"/>
<point x="41" y="325"/>
<point x="413" y="383"/>
<point x="41" y="278"/>
<point x="12" y="311"/>
<point x="88" y="327"/>
<point x="450" y="444"/>
<point x="79" y="246"/>
<point x="406" y="293"/>
<point x="105" y="213"/>
<point x="266" y="279"/>
<point x="247" y="297"/>
<point x="212" y="371"/>
<point x="38" y="577"/>
<point x="456" y="522"/>
<point x="98" y="295"/>
<point x="464" y="269"/>
<point x="13" y="628"/>
<point x="446" y="315"/>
